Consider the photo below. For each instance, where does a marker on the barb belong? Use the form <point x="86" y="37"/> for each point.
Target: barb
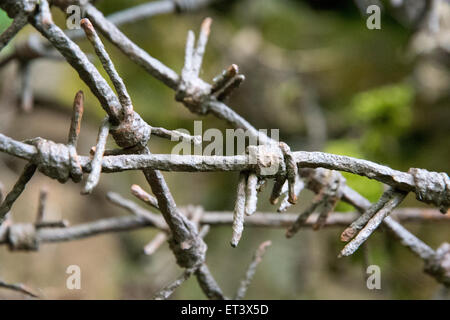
<point x="189" y="55"/>
<point x="292" y="172"/>
<point x="261" y="184"/>
<point x="221" y="80"/>
<point x="175" y="135"/>
<point x="396" y="198"/>
<point x="197" y="57"/>
<point x="226" y="82"/>
<point x="239" y="208"/>
<point x="359" y="223"/>
<point x="191" y="90"/>
<point x="251" y="196"/>
<point x="130" y="49"/>
<point x="96" y="163"/>
<point x="144" y="196"/>
<point x="151" y="247"/>
<point x="41" y="207"/>
<point x="77" y="115"/>
<point x="285" y="204"/>
<point x="256" y="260"/>
<point x="108" y="65"/>
<point x="277" y="189"/>
<point x="226" y="91"/>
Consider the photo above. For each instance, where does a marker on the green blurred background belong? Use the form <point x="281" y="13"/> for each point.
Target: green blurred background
<point x="314" y="71"/>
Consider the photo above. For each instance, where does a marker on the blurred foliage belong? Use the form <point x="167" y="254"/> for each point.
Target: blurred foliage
<point x="5" y="21"/>
<point x="382" y="115"/>
<point x="386" y="108"/>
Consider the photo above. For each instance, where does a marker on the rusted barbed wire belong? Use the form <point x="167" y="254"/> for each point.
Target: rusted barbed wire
<point x="131" y="133"/>
<point x="405" y="181"/>
<point x="142" y="218"/>
<point x="218" y="218"/>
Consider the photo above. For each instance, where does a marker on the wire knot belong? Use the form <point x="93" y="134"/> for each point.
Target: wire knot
<point x="193" y="92"/>
<point x="268" y="159"/>
<point x="22" y="236"/>
<point x="131" y="133"/>
<point x="190" y="253"/>
<point x="57" y="160"/>
<point x="432" y="187"/>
